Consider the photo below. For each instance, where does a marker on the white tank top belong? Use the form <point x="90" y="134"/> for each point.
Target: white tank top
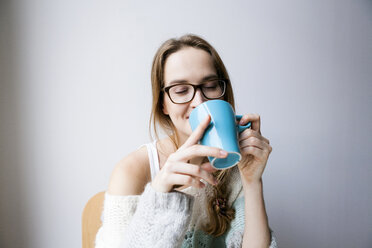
<point x="153" y="158"/>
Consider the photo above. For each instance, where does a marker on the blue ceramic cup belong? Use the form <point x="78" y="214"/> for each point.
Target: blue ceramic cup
<point x="222" y="131"/>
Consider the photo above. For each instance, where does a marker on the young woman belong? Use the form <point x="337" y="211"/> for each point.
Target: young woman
<point x="166" y="193"/>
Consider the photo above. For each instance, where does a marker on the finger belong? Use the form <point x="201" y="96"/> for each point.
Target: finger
<point x="264" y="147"/>
<point x="180" y="180"/>
<point x="256" y="152"/>
<point x="200" y="151"/>
<point x="252" y="133"/>
<point x="195" y="171"/>
<point x="254" y="118"/>
<point x="208" y="167"/>
<point x="252" y="141"/>
<point x="247" y="146"/>
<point x="197" y="134"/>
<point x="179" y="187"/>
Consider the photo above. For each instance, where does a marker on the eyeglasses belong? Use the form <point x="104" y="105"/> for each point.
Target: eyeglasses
<point x="184" y="92"/>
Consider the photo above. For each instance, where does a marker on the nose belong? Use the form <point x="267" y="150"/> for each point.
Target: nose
<point x="198" y="99"/>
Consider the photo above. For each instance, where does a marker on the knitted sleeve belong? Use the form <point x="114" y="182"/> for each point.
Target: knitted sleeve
<point x="160" y="220"/>
<point x="234" y="238"/>
<point x="152" y="219"/>
<point x="117" y="213"/>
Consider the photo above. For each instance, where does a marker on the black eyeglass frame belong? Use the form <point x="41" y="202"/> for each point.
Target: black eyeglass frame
<point x="224" y="81"/>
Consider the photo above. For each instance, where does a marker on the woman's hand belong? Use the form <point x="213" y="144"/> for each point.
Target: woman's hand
<point x="178" y="172"/>
<point x="255" y="150"/>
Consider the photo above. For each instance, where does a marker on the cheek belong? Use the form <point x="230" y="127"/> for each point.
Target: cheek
<point x="180" y="116"/>
<point x="174" y="111"/>
<point x="177" y="111"/>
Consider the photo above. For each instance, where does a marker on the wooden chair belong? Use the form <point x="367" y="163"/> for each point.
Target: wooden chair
<point x="91" y="219"/>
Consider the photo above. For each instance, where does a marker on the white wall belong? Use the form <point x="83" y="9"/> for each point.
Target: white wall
<point x="75" y="98"/>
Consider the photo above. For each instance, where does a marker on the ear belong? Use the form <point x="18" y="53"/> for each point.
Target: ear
<point x="165" y="110"/>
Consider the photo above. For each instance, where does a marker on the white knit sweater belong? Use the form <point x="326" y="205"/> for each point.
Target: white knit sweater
<point x="173" y="219"/>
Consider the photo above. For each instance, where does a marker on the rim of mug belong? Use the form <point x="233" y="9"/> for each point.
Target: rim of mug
<point x="204" y="103"/>
<point x="224" y="168"/>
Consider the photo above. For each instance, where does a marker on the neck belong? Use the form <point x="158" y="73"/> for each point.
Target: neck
<point x="179" y="138"/>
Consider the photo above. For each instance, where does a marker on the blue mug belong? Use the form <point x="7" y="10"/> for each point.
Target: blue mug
<point x="222" y="131"/>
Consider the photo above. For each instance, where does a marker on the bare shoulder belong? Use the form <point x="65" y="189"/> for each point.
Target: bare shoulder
<point x="131" y="174"/>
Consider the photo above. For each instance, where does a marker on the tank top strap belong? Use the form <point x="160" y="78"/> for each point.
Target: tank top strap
<point x="153" y="158"/>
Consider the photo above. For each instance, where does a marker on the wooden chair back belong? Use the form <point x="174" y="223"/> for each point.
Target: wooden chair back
<point x="91" y="219"/>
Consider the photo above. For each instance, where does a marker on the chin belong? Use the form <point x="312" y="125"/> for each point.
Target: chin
<point x="187" y="130"/>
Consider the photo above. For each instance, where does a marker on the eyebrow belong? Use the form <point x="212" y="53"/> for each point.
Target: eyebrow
<point x="206" y="78"/>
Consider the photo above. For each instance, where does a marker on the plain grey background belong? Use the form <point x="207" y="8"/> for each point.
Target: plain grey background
<point x="75" y="98"/>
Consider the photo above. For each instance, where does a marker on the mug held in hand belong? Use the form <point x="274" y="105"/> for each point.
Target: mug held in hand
<point x="222" y="132"/>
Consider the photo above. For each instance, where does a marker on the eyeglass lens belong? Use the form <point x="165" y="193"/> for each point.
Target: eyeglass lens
<point x="183" y="93"/>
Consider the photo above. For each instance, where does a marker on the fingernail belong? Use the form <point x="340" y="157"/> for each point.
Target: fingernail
<point x="223" y="153"/>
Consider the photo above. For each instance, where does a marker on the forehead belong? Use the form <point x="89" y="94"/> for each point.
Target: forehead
<point x="188" y="64"/>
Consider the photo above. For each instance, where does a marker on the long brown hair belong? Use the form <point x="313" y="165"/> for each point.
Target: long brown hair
<point x="220" y="215"/>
